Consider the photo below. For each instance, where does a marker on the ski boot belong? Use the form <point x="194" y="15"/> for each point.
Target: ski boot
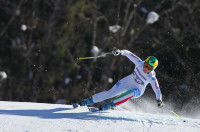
<point x="84" y="102"/>
<point x="108" y="106"/>
<point x="87" y="102"/>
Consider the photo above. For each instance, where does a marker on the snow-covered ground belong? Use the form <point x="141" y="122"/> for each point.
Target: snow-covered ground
<point x="40" y="117"/>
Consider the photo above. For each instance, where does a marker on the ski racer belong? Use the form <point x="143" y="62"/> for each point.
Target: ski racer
<point x="131" y="86"/>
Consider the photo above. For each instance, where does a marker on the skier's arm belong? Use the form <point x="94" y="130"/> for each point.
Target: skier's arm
<point x="135" y="59"/>
<point x="156" y="89"/>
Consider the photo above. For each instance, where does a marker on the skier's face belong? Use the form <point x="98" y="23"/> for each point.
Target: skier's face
<point x="146" y="70"/>
<point x="149" y="67"/>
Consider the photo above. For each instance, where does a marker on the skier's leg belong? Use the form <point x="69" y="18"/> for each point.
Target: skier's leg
<point x="133" y="93"/>
<point x="114" y="91"/>
<point x="120" y="87"/>
<point x="102" y="96"/>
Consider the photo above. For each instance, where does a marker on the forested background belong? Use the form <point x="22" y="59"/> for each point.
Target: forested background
<point x="41" y="39"/>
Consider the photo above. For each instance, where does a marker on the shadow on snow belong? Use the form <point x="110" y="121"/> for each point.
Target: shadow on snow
<point x="51" y="114"/>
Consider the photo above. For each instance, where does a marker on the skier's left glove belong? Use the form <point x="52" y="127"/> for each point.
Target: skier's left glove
<point x="160" y="103"/>
<point x="116" y="52"/>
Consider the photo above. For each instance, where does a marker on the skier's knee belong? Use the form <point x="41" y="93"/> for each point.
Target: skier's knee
<point x="136" y="92"/>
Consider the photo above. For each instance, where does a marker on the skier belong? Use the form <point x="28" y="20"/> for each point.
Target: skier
<point x="132" y="86"/>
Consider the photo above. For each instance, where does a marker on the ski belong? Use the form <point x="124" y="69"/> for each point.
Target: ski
<point x="93" y="109"/>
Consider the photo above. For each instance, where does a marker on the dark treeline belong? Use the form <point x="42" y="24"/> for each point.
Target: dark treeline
<point x="41" y="39"/>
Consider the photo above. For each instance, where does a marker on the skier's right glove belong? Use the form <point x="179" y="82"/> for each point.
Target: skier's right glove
<point x="116" y="52"/>
<point x="160" y="103"/>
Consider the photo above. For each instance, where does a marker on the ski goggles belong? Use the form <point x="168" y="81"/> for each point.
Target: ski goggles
<point x="149" y="67"/>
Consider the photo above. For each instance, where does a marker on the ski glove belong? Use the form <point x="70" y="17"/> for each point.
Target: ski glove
<point x="116" y="52"/>
<point x="160" y="103"/>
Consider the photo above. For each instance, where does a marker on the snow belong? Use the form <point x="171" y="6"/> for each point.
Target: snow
<point x="95" y="50"/>
<point x="41" y="117"/>
<point x="114" y="28"/>
<point x="3" y="75"/>
<point x="144" y="10"/>
<point x="18" y="12"/>
<point x="110" y="80"/>
<point x="67" y="80"/>
<point x="152" y="17"/>
<point x="23" y="27"/>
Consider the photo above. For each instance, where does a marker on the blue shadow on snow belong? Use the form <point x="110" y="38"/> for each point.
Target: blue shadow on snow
<point x="50" y="114"/>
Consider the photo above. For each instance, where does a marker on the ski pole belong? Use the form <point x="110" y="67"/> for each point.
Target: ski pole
<point x="175" y="114"/>
<point x="93" y="57"/>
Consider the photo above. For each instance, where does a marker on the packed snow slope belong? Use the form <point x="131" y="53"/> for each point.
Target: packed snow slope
<point x="39" y="117"/>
